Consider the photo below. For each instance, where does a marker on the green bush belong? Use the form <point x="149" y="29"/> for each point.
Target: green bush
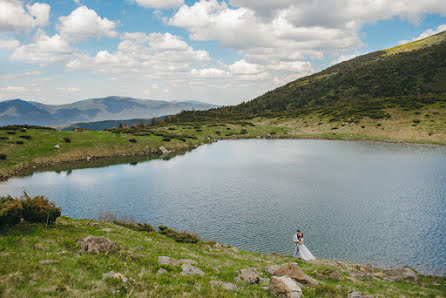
<point x="3" y="156"/>
<point x="178" y="236"/>
<point x="10" y="211"/>
<point x="39" y="209"/>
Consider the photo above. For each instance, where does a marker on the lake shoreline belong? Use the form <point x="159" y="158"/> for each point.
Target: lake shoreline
<point x="73" y="160"/>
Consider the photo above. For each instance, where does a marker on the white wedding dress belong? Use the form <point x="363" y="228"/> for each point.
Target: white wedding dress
<point x="305" y="253"/>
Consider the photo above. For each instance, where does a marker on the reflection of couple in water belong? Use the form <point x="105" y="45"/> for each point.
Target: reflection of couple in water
<point x="301" y="251"/>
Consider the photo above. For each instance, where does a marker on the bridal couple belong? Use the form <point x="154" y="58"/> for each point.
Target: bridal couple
<point x="301" y="251"/>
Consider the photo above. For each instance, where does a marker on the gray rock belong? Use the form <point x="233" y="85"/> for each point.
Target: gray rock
<point x="270" y="269"/>
<point x="225" y="285"/>
<point x="162" y="271"/>
<point x="187" y="269"/>
<point x="114" y="275"/>
<point x="248" y="275"/>
<point x="292" y="270"/>
<point x="405" y="273"/>
<point x="97" y="244"/>
<point x="284" y="287"/>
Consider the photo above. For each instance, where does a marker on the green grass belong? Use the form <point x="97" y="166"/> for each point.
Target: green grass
<point x="23" y="247"/>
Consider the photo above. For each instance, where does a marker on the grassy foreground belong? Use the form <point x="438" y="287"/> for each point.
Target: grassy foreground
<point x="37" y="261"/>
<point x="35" y="148"/>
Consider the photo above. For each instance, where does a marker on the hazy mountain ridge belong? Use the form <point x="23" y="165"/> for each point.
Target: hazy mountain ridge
<point x="19" y="111"/>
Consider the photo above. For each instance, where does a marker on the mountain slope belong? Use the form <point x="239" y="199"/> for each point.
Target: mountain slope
<point x="97" y="109"/>
<point x="408" y="76"/>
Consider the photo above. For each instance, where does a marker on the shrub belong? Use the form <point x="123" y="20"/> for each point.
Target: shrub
<point x="26" y="137"/>
<point x="133" y="140"/>
<point x="3" y="156"/>
<point x="67" y="140"/>
<point x="178" y="236"/>
<point x="39" y="209"/>
<point x="10" y="211"/>
<point x="19" y="142"/>
<point x="137" y="227"/>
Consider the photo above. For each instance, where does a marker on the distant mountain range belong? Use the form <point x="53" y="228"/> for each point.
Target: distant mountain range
<point x="19" y="111"/>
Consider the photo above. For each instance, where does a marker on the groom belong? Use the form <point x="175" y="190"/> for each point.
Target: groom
<point x="296" y="240"/>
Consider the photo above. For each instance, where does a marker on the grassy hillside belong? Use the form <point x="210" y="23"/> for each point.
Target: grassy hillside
<point x="381" y="85"/>
<point x="38" y="261"/>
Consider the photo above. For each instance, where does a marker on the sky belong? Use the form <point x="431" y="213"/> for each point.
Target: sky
<point x="217" y="51"/>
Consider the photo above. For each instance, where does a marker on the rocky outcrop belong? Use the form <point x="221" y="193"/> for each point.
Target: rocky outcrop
<point x="97" y="244"/>
<point x="248" y="275"/>
<point x="225" y="285"/>
<point x="405" y="273"/>
<point x="190" y="270"/>
<point x="292" y="270"/>
<point x="284" y="287"/>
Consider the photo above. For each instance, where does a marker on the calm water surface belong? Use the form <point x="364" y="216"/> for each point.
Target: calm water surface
<point x="362" y="202"/>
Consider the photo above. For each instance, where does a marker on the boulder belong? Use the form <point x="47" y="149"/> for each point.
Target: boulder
<point x="335" y="275"/>
<point x="285" y="287"/>
<point x="225" y="285"/>
<point x="405" y="273"/>
<point x="115" y="276"/>
<point x="97" y="244"/>
<point x="187" y="269"/>
<point x="270" y="269"/>
<point x="292" y="270"/>
<point x="248" y="275"/>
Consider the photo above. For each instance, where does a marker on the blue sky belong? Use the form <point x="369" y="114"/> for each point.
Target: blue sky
<point x="215" y="51"/>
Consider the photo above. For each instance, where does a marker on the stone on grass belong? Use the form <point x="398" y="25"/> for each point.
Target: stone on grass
<point x="405" y="273"/>
<point x="248" y="275"/>
<point x="285" y="287"/>
<point x="190" y="270"/>
<point x="225" y="285"/>
<point x="293" y="271"/>
<point x="97" y="244"/>
<point x="115" y="276"/>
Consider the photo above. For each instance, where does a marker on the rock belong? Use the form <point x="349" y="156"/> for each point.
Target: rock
<point x="114" y="275"/>
<point x="93" y="224"/>
<point x="358" y="295"/>
<point x="97" y="244"/>
<point x="335" y="275"/>
<point x="366" y="268"/>
<point x="187" y="269"/>
<point x="57" y="146"/>
<point x="405" y="273"/>
<point x="293" y="271"/>
<point x="248" y="275"/>
<point x="164" y="150"/>
<point x="162" y="271"/>
<point x="48" y="261"/>
<point x="270" y="269"/>
<point x="225" y="285"/>
<point x="139" y="247"/>
<point x="108" y="230"/>
<point x="284" y="287"/>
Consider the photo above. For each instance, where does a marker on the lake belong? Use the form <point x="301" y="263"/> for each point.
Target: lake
<point x="361" y="202"/>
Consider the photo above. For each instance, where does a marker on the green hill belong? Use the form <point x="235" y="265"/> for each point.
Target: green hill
<point x="408" y="76"/>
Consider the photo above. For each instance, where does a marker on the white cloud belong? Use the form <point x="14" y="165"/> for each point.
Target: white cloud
<point x="43" y="49"/>
<point x="83" y="23"/>
<point x="160" y="4"/>
<point x="9" y="44"/>
<point x="427" y="33"/>
<point x="14" y="16"/>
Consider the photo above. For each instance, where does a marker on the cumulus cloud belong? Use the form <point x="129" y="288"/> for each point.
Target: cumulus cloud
<point x="83" y="22"/>
<point x="43" y="49"/>
<point x="14" y="16"/>
<point x="427" y="33"/>
<point x="160" y="4"/>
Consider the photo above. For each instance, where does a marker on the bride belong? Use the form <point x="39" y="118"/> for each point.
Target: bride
<point x="304" y="253"/>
